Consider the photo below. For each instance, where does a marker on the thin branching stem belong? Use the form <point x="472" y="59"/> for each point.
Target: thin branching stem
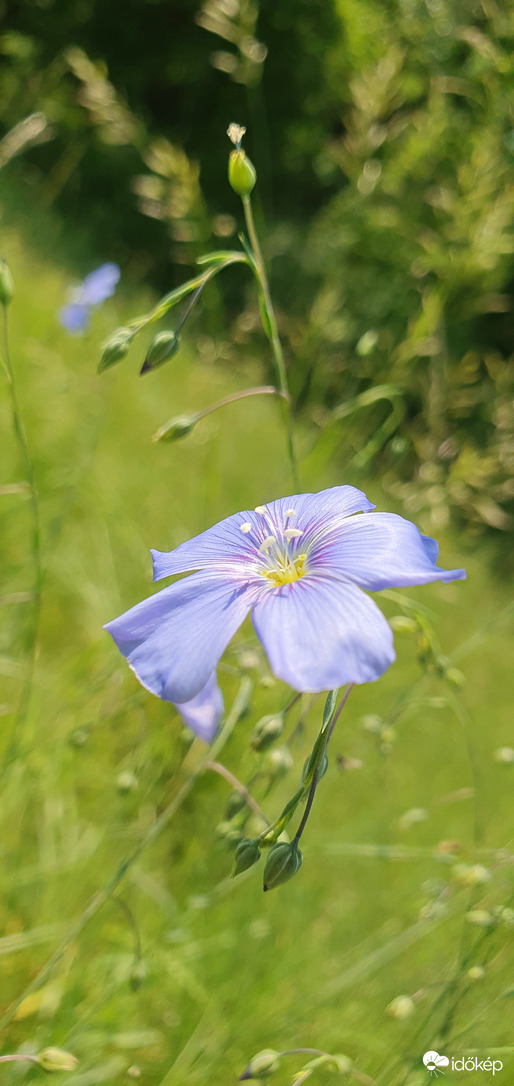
<point x="222" y="771"/>
<point x="319" y="759"/>
<point x="19" y="429"/>
<point x="273" y="335"/>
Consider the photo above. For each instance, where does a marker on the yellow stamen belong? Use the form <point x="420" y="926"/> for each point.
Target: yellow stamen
<point x="291" y="571"/>
<point x="246" y="527"/>
<point x="292" y="533"/>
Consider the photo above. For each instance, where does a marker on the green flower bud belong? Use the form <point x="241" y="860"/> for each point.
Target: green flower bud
<point x="402" y="624"/>
<point x="481" y="918"/>
<point x="322" y="767"/>
<point x="241" y="172"/>
<point x="6" y="284"/>
<point x="163" y="346"/>
<point x="126" y="782"/>
<point x="262" y="1065"/>
<point x="247" y="854"/>
<point x="284" y="860"/>
<point x="115" y="349"/>
<point x="401" y="1007"/>
<point x="266" y="731"/>
<point x="504" y="755"/>
<point x="235" y="803"/>
<point x="56" y="1059"/>
<point x="278" y="762"/>
<point x="175" y="428"/>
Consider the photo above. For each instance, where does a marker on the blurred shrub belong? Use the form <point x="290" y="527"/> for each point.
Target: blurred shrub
<point x="383" y="134"/>
<point x="411" y="260"/>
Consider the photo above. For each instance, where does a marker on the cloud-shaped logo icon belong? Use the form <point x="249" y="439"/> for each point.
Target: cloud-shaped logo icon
<point x="433" y="1061"/>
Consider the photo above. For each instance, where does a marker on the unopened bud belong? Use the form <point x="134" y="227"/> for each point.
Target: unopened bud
<point x="6" y="284"/>
<point x="56" y="1059"/>
<point x="400" y="1007"/>
<point x="227" y="832"/>
<point x="241" y="173"/>
<point x="322" y="767"/>
<point x="481" y="918"/>
<point x="284" y="860"/>
<point x="471" y="874"/>
<point x="504" y="755"/>
<point x="278" y="762"/>
<point x="247" y="854"/>
<point x="262" y="1065"/>
<point x="266" y="731"/>
<point x="477" y="972"/>
<point x="455" y="676"/>
<point x="176" y="428"/>
<point x="126" y="782"/>
<point x="163" y="346"/>
<point x="115" y="349"/>
<point x="235" y="803"/>
<point x="402" y="624"/>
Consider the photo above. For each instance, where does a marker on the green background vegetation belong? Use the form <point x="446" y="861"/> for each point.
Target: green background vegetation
<point x="384" y="141"/>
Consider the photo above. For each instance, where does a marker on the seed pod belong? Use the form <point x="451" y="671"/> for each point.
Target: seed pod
<point x="176" y="428"/>
<point x="163" y="346"/>
<point x="266" y="731"/>
<point x="115" y="349"/>
<point x="56" y="1059"/>
<point x="241" y="173"/>
<point x="247" y="854"/>
<point x="262" y="1065"/>
<point x="284" y="860"/>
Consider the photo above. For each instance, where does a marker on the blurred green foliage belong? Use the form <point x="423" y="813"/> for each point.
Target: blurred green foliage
<point x="384" y="138"/>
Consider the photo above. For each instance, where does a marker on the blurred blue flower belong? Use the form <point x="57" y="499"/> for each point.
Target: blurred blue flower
<point x="94" y="289"/>
<point x="299" y="565"/>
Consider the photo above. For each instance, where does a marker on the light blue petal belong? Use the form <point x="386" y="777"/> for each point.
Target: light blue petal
<point x="226" y="547"/>
<point x="99" y="284"/>
<point x="203" y="713"/>
<point x="380" y="550"/>
<point x="74" y="318"/>
<point x="319" y="633"/>
<point x="174" y="640"/>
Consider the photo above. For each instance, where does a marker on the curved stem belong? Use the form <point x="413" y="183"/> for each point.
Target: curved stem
<point x="18" y="1056"/>
<point x="222" y="771"/>
<point x="19" y="430"/>
<point x="276" y="346"/>
<point x="261" y="390"/>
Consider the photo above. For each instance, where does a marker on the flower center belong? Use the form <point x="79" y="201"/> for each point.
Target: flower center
<point x="285" y="569"/>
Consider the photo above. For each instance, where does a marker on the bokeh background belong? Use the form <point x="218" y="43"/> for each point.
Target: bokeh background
<point x="383" y="138"/>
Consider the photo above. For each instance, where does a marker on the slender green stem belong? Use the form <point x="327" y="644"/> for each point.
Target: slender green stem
<point x="19" y="429"/>
<point x="222" y="771"/>
<point x="316" y="769"/>
<point x="102" y="896"/>
<point x="307" y="786"/>
<point x="131" y="920"/>
<point x="261" y="390"/>
<point x="272" y="332"/>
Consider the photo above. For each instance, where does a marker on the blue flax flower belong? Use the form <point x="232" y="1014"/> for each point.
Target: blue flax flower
<point x="298" y="565"/>
<point x="94" y="289"/>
